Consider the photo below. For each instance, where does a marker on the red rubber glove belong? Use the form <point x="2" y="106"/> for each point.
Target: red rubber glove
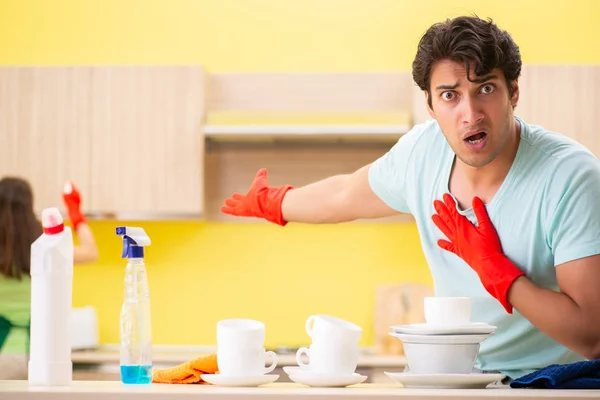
<point x="261" y="201"/>
<point x="72" y="200"/>
<point x="479" y="246"/>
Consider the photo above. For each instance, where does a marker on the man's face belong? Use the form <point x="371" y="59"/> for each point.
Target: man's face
<point x="475" y="117"/>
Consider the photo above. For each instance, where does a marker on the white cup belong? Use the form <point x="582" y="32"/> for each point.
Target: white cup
<point x="332" y="330"/>
<point x="326" y="359"/>
<point x="245" y="362"/>
<point x="447" y="310"/>
<point x="240" y="334"/>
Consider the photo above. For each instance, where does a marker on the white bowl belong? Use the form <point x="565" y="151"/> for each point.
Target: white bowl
<point x="425" y="358"/>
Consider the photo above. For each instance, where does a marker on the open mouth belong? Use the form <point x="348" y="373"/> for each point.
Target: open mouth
<point x="476" y="138"/>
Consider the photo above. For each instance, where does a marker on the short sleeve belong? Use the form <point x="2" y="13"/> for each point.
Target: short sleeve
<point x="574" y="209"/>
<point x="387" y="175"/>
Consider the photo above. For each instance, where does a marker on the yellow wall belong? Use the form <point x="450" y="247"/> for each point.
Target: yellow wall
<point x="277" y="35"/>
<point x="200" y="273"/>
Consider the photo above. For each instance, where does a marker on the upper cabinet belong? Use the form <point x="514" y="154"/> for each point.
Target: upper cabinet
<point x="45" y="130"/>
<point x="133" y="137"/>
<point x="147" y="148"/>
<point x="563" y="99"/>
<point x="130" y="137"/>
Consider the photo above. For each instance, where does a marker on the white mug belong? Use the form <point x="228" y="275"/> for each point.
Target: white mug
<point x="240" y="333"/>
<point x="328" y="329"/>
<point x="245" y="362"/>
<point x="326" y="359"/>
<point x="447" y="310"/>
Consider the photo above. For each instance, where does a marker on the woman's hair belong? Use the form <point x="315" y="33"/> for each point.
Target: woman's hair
<point x="469" y="40"/>
<point x="19" y="227"/>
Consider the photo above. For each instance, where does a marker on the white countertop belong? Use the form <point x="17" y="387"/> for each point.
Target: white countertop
<point x="84" y="390"/>
<point x="165" y="354"/>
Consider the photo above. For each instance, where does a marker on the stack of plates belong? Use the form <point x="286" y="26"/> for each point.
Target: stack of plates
<point x="475" y="332"/>
<point x="442" y="356"/>
<point x="473" y="328"/>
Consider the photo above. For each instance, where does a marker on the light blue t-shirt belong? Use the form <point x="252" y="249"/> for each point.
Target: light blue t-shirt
<point x="546" y="213"/>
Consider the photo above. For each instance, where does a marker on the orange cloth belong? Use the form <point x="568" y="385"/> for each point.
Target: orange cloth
<point x="188" y="372"/>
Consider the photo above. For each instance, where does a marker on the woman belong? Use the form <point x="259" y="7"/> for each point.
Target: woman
<point x="19" y="228"/>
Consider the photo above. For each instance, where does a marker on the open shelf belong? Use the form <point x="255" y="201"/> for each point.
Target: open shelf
<point x="230" y="167"/>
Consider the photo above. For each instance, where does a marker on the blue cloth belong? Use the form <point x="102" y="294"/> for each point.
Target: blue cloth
<point x="578" y="375"/>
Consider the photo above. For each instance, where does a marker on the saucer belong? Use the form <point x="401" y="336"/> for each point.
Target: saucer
<point x="325" y="380"/>
<point x="445" y="381"/>
<point x="428" y="329"/>
<point x="240" y="381"/>
<point x="299" y="371"/>
<point x="441" y="339"/>
<point x="295" y="370"/>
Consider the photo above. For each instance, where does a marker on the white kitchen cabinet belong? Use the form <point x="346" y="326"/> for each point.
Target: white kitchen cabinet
<point x="129" y="136"/>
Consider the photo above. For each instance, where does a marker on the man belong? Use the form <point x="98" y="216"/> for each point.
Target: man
<point x="507" y="212"/>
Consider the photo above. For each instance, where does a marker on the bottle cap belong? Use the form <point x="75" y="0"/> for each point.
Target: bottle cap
<point x="52" y="221"/>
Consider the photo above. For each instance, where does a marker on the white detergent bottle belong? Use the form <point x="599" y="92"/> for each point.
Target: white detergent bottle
<point x="136" y="341"/>
<point x="51" y="302"/>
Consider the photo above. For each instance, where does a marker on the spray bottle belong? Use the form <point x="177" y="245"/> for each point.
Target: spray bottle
<point x="136" y="341"/>
<point x="51" y="302"/>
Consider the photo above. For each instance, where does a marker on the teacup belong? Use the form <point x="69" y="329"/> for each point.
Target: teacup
<point x="447" y="310"/>
<point x="327" y="359"/>
<point x="240" y="333"/>
<point x="245" y="362"/>
<point x="332" y="330"/>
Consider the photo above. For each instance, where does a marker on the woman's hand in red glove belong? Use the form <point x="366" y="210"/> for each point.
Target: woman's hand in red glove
<point x="72" y="200"/>
<point x="479" y="246"/>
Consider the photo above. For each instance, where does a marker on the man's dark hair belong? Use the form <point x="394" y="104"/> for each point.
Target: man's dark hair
<point x="471" y="41"/>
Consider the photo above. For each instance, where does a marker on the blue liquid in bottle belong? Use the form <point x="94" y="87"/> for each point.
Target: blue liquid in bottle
<point x="136" y="374"/>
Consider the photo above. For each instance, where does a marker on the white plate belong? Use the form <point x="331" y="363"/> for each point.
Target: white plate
<point x="239" y="381"/>
<point x="322" y="380"/>
<point x="440" y="339"/>
<point x="445" y="381"/>
<point x="426" y="329"/>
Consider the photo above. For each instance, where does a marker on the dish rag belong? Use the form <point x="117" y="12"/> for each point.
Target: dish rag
<point x="187" y="372"/>
<point x="577" y="375"/>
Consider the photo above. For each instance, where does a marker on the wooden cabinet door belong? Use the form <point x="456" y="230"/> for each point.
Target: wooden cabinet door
<point x="45" y="130"/>
<point x="130" y="137"/>
<point x="147" y="145"/>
